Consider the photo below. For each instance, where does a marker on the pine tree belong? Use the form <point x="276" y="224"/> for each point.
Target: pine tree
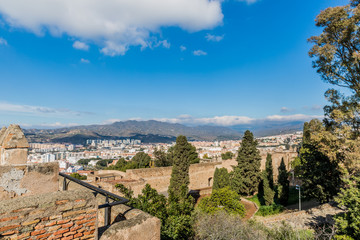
<point x="248" y="169"/>
<point x="183" y="153"/>
<point x="284" y="183"/>
<point x="265" y="194"/>
<point x="269" y="171"/>
<point x="221" y="178"/>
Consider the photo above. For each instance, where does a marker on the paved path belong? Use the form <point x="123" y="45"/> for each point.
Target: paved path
<point x="250" y="207"/>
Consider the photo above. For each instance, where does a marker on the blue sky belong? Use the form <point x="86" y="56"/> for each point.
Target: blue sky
<point x="189" y="61"/>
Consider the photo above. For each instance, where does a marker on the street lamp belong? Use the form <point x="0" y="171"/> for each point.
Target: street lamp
<point x="298" y="187"/>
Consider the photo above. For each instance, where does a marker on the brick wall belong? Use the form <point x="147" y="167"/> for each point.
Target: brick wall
<point x="60" y="215"/>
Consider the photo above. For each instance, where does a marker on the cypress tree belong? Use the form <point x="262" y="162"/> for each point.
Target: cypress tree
<point x="284" y="183"/>
<point x="269" y="171"/>
<point x="183" y="153"/>
<point x="248" y="169"/>
<point x="265" y="194"/>
<point x="221" y="178"/>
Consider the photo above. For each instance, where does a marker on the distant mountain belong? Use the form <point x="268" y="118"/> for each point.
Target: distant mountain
<point x="262" y="129"/>
<point x="147" y="131"/>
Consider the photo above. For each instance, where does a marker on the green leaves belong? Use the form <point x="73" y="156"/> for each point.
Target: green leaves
<point x="221" y="178"/>
<point x="246" y="176"/>
<point x="222" y="199"/>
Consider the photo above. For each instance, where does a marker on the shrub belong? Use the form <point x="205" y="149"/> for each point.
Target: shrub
<point x="222" y="199"/>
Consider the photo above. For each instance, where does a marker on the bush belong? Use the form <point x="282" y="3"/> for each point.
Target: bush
<point x="222" y="199"/>
<point x="270" y="210"/>
<point x="225" y="226"/>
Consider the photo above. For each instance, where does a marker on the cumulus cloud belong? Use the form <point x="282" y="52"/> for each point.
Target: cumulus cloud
<point x="182" y="48"/>
<point x="114" y="25"/>
<point x="226" y="120"/>
<point x="199" y="53"/>
<point x="49" y="125"/>
<point x="214" y="38"/>
<point x="163" y="43"/>
<point x="36" y="110"/>
<point x="285" y="110"/>
<point x="248" y="1"/>
<point x="80" y="46"/>
<point x="83" y="60"/>
<point x="3" y="41"/>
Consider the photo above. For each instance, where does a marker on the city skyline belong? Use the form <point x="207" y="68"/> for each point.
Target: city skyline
<point x="224" y="63"/>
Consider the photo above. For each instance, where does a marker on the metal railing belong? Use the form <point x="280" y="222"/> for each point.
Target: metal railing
<point x="107" y="205"/>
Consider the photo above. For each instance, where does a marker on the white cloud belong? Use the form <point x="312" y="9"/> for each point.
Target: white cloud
<point x="114" y="25"/>
<point x="182" y="48"/>
<point x="36" y="110"/>
<point x="248" y="1"/>
<point x="163" y="43"/>
<point x="49" y="125"/>
<point x="285" y="110"/>
<point x="80" y="46"/>
<point x="199" y="53"/>
<point x="214" y="38"/>
<point x="3" y="41"/>
<point x="294" y="117"/>
<point x="83" y="60"/>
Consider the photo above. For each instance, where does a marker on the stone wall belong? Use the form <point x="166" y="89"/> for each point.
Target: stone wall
<point x="59" y="215"/>
<point x="13" y="146"/>
<point x="28" y="179"/>
<point x="131" y="224"/>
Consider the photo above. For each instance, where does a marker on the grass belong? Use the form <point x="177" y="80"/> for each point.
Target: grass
<point x="266" y="210"/>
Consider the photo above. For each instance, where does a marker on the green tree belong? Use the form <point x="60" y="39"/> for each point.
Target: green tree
<point x="162" y="159"/>
<point x="206" y="156"/>
<point x="320" y="174"/>
<point x="265" y="193"/>
<point x="183" y="154"/>
<point x="248" y="168"/>
<point x="221" y="178"/>
<point x="222" y="199"/>
<point x="78" y="176"/>
<point x="269" y="171"/>
<point x="348" y="223"/>
<point x="283" y="184"/>
<point x="142" y="160"/>
<point x="227" y="155"/>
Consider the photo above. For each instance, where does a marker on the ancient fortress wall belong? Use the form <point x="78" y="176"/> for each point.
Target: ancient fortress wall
<point x="59" y="215"/>
<point x="201" y="175"/>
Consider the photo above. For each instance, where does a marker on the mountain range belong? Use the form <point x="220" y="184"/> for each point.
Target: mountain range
<point x="155" y="131"/>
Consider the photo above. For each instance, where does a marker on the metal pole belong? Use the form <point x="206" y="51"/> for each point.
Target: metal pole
<point x="64" y="185"/>
<point x="107" y="213"/>
<point x="299" y="198"/>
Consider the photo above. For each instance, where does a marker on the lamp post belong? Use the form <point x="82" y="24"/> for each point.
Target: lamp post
<point x="298" y="187"/>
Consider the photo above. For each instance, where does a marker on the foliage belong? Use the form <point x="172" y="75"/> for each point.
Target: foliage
<point x="269" y="171"/>
<point x="221" y="178"/>
<point x="162" y="159"/>
<point x="206" y="156"/>
<point x="348" y="223"/>
<point x="78" y="176"/>
<point x="336" y="49"/>
<point x="140" y="160"/>
<point x="246" y="175"/>
<point x="320" y="174"/>
<point x="227" y="156"/>
<point x="266" y="194"/>
<point x="222" y="226"/>
<point x="174" y="224"/>
<point x="283" y="184"/>
<point x="222" y="199"/>
<point x="86" y="161"/>
<point x="103" y="163"/>
<point x="183" y="154"/>
<point x="270" y="210"/>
